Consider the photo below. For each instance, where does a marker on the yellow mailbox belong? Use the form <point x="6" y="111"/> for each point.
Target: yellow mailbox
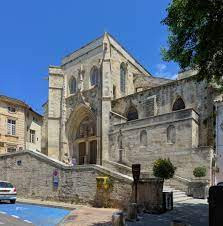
<point x="103" y="183"/>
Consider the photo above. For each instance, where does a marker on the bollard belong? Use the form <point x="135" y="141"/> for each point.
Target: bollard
<point x="118" y="219"/>
<point x="132" y="211"/>
<point x="178" y="223"/>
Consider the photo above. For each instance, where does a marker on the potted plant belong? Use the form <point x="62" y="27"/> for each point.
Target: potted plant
<point x="163" y="168"/>
<point x="198" y="188"/>
<point x="200" y="171"/>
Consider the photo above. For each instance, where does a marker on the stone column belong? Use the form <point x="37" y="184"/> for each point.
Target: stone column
<point x="106" y="97"/>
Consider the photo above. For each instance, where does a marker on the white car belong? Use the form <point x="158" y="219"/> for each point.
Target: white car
<point x="7" y="192"/>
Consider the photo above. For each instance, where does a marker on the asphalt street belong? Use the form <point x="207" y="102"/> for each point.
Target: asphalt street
<point x="11" y="221"/>
<point x="27" y="214"/>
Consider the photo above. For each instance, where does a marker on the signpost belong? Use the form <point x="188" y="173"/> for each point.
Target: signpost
<point x="136" y="168"/>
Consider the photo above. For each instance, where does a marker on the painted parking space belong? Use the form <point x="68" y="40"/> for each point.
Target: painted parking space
<point x="35" y="214"/>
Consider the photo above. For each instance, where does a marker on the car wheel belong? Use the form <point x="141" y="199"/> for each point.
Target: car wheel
<point x="12" y="201"/>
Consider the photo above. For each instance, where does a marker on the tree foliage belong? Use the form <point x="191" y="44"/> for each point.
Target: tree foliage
<point x="200" y="171"/>
<point x="196" y="37"/>
<point x="163" y="168"/>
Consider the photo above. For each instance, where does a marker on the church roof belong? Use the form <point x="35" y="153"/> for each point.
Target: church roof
<point x="98" y="42"/>
<point x="142" y="81"/>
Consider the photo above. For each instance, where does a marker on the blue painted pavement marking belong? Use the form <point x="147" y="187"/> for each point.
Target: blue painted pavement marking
<point x="38" y="215"/>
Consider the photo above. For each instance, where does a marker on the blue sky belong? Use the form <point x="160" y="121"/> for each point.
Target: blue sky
<point x="36" y="34"/>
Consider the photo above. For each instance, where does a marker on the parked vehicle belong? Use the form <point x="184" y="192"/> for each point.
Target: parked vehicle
<point x="7" y="192"/>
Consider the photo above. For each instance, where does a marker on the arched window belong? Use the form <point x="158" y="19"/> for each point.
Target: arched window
<point x="171" y="134"/>
<point x="178" y="104"/>
<point x="122" y="77"/>
<point x="132" y="113"/>
<point x="73" y="85"/>
<point x="94" y="76"/>
<point x="143" y="138"/>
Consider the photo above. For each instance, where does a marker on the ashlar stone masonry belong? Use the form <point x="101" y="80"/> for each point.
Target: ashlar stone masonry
<point x="104" y="106"/>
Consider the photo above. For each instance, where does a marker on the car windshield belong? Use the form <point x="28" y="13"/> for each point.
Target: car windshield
<point x="5" y="185"/>
<point x="220" y="184"/>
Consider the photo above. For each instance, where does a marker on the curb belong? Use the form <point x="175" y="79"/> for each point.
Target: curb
<point x="42" y="203"/>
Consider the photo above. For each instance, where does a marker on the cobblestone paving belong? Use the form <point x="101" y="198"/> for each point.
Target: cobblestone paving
<point x="193" y="212"/>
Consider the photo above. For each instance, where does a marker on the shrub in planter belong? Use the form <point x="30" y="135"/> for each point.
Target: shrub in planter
<point x="200" y="171"/>
<point x="163" y="168"/>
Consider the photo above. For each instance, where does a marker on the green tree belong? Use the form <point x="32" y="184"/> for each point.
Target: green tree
<point x="195" y="38"/>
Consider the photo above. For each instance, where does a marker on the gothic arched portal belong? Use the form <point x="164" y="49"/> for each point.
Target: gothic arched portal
<point x="82" y="135"/>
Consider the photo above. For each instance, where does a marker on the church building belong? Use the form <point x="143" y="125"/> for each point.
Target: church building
<point x="105" y="108"/>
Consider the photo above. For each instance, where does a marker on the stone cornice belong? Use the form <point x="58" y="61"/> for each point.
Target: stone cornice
<point x="55" y="71"/>
<point x="177" y="116"/>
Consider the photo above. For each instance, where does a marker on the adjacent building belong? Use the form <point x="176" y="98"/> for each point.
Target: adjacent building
<point x="219" y="141"/>
<point x="20" y="126"/>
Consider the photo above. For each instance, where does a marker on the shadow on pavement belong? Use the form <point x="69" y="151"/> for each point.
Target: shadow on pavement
<point x="195" y="214"/>
<point x="102" y="224"/>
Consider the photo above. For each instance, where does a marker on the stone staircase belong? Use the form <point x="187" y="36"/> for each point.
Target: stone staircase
<point x="178" y="195"/>
<point x="176" y="185"/>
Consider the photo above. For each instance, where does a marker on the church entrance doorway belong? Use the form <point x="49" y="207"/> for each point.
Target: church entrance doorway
<point x="93" y="152"/>
<point x="82" y="152"/>
<point x="85" y="143"/>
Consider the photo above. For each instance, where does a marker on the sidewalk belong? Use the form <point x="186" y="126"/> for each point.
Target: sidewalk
<point x="89" y="216"/>
<point x="193" y="211"/>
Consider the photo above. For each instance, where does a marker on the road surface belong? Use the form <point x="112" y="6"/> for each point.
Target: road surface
<point x="11" y="221"/>
<point x="27" y="214"/>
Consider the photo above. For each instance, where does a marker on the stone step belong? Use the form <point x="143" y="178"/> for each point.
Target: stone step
<point x="178" y="195"/>
<point x="181" y="199"/>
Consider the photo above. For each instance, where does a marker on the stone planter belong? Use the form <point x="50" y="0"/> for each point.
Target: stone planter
<point x="198" y="189"/>
<point x="150" y="194"/>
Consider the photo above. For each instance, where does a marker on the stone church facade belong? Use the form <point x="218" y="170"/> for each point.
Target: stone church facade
<point x="105" y="108"/>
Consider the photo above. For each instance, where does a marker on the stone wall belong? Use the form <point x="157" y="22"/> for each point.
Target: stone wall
<point x="196" y="95"/>
<point x="117" y="59"/>
<point x="183" y="151"/>
<point x="86" y="62"/>
<point x="32" y="174"/>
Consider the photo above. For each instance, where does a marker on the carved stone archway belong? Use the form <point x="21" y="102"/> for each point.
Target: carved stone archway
<point x="81" y="131"/>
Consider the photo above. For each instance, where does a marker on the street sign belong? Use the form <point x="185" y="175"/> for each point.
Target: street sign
<point x="55" y="179"/>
